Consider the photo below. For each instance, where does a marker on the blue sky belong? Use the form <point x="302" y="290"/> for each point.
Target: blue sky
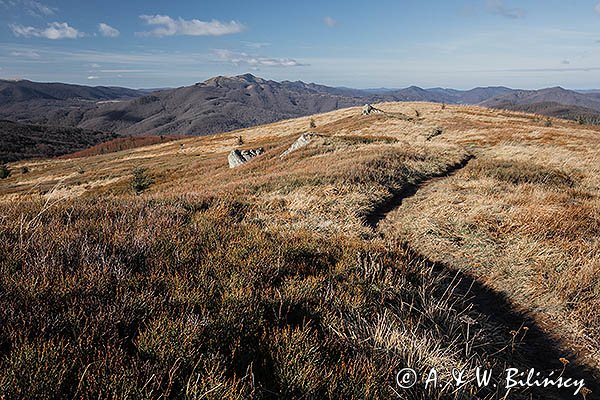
<point x="460" y="44"/>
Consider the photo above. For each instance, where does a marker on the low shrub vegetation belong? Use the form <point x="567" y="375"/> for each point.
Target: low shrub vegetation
<point x="4" y="171"/>
<point x="141" y="181"/>
<point x="518" y="172"/>
<point x="304" y="277"/>
<point x="187" y="299"/>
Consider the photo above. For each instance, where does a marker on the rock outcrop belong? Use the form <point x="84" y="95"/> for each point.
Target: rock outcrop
<point x="239" y="157"/>
<point x="369" y="109"/>
<point x="302" y="141"/>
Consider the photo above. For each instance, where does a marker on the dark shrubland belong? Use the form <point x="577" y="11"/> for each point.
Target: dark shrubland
<point x="21" y="141"/>
<point x="182" y="299"/>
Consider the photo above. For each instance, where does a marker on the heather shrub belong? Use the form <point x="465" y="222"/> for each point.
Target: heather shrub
<point x="140" y="181"/>
<point x="188" y="299"/>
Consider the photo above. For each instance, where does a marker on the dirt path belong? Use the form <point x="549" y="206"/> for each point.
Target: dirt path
<point x="540" y="350"/>
<point x="393" y="203"/>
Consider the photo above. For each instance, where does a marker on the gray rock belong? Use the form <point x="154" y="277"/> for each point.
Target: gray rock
<point x="302" y="141"/>
<point x="435" y="132"/>
<point x="369" y="109"/>
<point x="239" y="157"/>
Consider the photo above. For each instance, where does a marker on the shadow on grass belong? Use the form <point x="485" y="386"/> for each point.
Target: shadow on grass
<point x="534" y="348"/>
<point x="382" y="210"/>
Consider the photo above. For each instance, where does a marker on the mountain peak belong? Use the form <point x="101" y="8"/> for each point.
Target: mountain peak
<point x="249" y="77"/>
<point x="222" y="80"/>
<point x="556" y="89"/>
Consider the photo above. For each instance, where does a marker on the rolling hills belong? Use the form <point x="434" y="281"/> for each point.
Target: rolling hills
<point x="374" y="248"/>
<point x="228" y="103"/>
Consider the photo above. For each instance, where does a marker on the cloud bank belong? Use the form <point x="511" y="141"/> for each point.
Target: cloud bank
<point x="54" y="31"/>
<point x="167" y="26"/>
<point x="255" y="61"/>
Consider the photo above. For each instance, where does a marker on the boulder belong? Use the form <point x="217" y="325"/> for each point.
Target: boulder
<point x="369" y="109"/>
<point x="302" y="141"/>
<point x="239" y="157"/>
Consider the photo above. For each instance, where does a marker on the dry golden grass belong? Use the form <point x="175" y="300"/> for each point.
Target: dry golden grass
<point x="268" y="280"/>
<point x="523" y="217"/>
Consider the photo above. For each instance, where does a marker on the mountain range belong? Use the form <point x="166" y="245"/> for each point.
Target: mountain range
<point x="228" y="103"/>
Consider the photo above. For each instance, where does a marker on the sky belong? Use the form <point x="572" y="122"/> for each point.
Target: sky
<point x="461" y="44"/>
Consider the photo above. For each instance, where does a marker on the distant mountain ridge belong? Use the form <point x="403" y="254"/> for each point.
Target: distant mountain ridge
<point x="554" y="95"/>
<point x="223" y="103"/>
<point x="24" y="90"/>
<point x="557" y="110"/>
<point x="215" y="105"/>
<point x="227" y="103"/>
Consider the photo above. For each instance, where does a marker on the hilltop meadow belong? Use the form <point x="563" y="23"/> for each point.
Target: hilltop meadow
<point x="426" y="236"/>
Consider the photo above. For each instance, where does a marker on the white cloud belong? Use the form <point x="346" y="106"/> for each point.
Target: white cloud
<point x="498" y="7"/>
<point x="94" y="65"/>
<point x="54" y="31"/>
<point x="598" y="8"/>
<point x="107" y="30"/>
<point x="256" y="45"/>
<point x="92" y="77"/>
<point x="121" y="71"/>
<point x="330" y="22"/>
<point x="167" y="26"/>
<point x="25" y="54"/>
<point x="255" y="61"/>
<point x="38" y="9"/>
<point x="31" y="7"/>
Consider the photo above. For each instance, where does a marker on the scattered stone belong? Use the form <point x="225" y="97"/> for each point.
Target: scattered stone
<point x="239" y="157"/>
<point x="369" y="109"/>
<point x="435" y="132"/>
<point x="302" y="141"/>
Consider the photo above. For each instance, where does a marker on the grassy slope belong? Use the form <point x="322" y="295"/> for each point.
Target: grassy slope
<point x="121" y="144"/>
<point x="523" y="217"/>
<point x="265" y="280"/>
